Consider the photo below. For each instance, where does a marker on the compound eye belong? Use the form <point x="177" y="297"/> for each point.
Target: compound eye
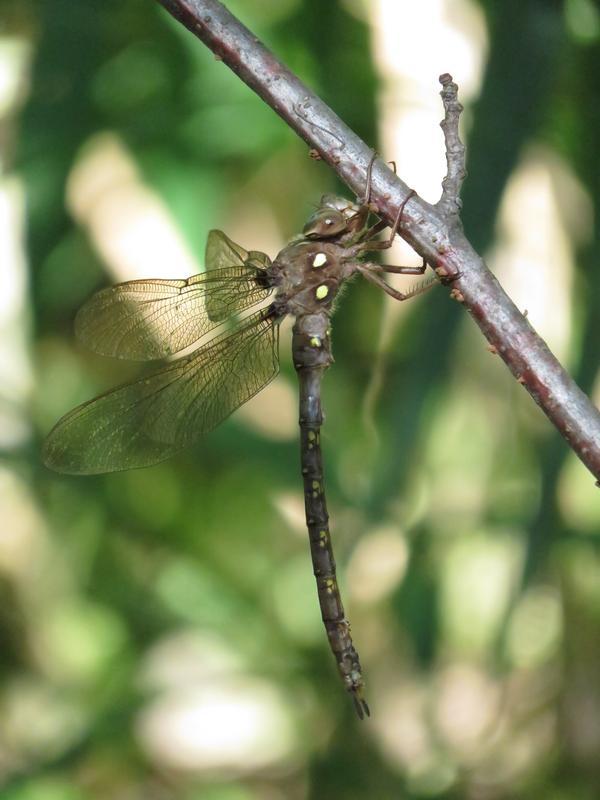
<point x="324" y="223"/>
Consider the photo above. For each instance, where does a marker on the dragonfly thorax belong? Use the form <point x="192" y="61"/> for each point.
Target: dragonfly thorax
<point x="308" y="275"/>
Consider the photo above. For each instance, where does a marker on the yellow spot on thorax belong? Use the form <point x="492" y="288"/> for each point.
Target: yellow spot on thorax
<point x="319" y="260"/>
<point x="322" y="292"/>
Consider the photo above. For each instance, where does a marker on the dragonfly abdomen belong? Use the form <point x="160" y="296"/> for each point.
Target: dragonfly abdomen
<point x="311" y="352"/>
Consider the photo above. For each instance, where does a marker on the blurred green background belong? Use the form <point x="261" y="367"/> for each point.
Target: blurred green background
<point x="160" y="632"/>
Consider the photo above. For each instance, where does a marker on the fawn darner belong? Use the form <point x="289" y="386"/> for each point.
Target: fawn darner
<point x="144" y="422"/>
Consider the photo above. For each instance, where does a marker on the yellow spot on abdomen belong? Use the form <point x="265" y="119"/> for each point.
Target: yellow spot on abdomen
<point x="322" y="292"/>
<point x="315" y="341"/>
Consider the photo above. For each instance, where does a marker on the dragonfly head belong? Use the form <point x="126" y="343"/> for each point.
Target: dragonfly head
<point x="331" y="217"/>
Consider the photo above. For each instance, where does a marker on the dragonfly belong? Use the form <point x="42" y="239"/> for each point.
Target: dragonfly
<point x="223" y="313"/>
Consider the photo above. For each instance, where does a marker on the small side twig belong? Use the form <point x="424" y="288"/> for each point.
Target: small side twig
<point x="450" y="204"/>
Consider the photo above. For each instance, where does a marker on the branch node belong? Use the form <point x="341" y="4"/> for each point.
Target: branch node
<point x="450" y="204"/>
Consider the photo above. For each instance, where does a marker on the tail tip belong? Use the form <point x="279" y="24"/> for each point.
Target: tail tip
<point x="360" y="704"/>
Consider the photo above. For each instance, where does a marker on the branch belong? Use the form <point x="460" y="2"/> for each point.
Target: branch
<point x="449" y="204"/>
<point x="433" y="231"/>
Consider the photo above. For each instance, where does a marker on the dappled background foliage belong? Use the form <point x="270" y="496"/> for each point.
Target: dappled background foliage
<point x="160" y="628"/>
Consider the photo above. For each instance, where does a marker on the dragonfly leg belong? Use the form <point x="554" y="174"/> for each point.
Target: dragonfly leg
<point x="366" y="208"/>
<point x="396" y="224"/>
<point x="367" y="244"/>
<point x="366" y="200"/>
<point x="374" y="230"/>
<point x="361" y="218"/>
<point x="371" y="273"/>
<point x="398" y="270"/>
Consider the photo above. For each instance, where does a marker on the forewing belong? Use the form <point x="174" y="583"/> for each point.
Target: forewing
<point x="148" y="319"/>
<point x="147" y="421"/>
<point x="222" y="252"/>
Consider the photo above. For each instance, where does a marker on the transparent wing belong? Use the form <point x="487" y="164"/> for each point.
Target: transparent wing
<point x="147" y="421"/>
<point x="148" y="319"/>
<point x="220" y="253"/>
